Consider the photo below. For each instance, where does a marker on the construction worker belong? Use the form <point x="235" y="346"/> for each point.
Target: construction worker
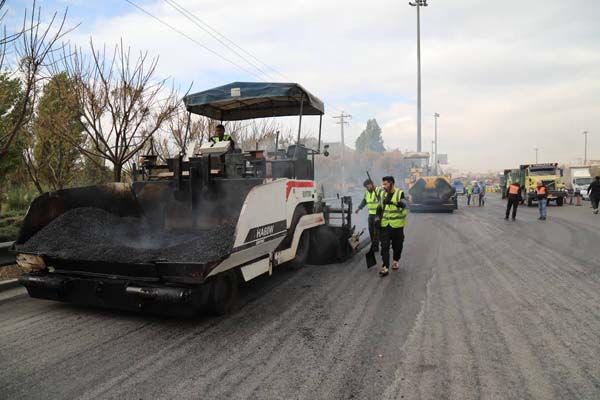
<point x="513" y="194"/>
<point x="220" y="136"/>
<point x="594" y="193"/>
<point x="542" y="199"/>
<point x="371" y="201"/>
<point x="469" y="194"/>
<point x="392" y="209"/>
<point x="482" y="195"/>
<point x="476" y="193"/>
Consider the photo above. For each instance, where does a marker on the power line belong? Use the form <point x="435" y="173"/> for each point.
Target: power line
<point x="192" y="39"/>
<point x="212" y="32"/>
<point x="229" y="40"/>
<point x="191" y="15"/>
<point x="221" y="38"/>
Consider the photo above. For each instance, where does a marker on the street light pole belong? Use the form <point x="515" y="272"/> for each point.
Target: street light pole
<point x="436" y="116"/>
<point x="536" y="155"/>
<point x="432" y="155"/>
<point x="418" y="4"/>
<point x="585" y="134"/>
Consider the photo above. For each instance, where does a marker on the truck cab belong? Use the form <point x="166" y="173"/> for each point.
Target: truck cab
<point x="578" y="180"/>
<point x="550" y="175"/>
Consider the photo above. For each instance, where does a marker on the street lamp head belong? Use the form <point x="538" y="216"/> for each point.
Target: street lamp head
<point x="421" y="3"/>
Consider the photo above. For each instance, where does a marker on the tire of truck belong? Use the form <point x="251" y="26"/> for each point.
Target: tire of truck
<point x="224" y="293"/>
<point x="560" y="201"/>
<point x="302" y="251"/>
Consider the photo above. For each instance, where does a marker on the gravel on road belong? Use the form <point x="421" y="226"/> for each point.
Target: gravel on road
<point x="92" y="234"/>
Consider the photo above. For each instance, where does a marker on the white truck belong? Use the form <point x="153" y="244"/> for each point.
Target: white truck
<point x="577" y="179"/>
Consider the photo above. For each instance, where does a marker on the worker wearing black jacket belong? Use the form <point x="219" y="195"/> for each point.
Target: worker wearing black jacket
<point x="514" y="197"/>
<point x="594" y="193"/>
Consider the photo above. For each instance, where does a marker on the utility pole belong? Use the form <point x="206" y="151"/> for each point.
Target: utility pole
<point x="536" y="154"/>
<point x="342" y="121"/>
<point x="418" y="4"/>
<point x="436" y="116"/>
<point x="432" y="155"/>
<point x="585" y="134"/>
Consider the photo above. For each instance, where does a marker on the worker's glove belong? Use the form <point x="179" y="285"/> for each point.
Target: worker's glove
<point x="401" y="204"/>
<point x="357" y="210"/>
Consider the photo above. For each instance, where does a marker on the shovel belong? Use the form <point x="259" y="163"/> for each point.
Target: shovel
<point x="370" y="258"/>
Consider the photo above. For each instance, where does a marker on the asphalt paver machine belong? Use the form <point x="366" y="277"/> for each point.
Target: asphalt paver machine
<point x="185" y="234"/>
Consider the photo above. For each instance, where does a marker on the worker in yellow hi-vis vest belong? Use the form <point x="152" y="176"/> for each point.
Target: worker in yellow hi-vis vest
<point x="393" y="211"/>
<point x="371" y="201"/>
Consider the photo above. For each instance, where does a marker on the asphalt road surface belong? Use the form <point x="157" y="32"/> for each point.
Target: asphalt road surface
<point x="481" y="308"/>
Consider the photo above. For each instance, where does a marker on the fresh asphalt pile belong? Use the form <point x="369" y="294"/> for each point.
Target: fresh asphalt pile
<point x="92" y="234"/>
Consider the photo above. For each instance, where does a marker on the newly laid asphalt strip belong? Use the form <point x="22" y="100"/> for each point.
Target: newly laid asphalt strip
<point x="481" y="308"/>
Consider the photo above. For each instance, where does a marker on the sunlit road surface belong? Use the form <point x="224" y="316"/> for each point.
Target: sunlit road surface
<point x="481" y="308"/>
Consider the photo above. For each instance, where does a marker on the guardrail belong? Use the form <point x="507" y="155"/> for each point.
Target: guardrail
<point x="6" y="258"/>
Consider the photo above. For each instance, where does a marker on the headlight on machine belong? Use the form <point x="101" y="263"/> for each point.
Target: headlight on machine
<point x="30" y="263"/>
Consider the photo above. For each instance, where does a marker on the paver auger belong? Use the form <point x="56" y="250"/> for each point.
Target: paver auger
<point x="182" y="236"/>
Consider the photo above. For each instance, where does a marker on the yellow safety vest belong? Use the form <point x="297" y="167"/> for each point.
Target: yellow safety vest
<point x="393" y="216"/>
<point x="216" y="139"/>
<point x="372" y="199"/>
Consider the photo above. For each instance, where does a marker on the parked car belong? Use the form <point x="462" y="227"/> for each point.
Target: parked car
<point x="459" y="187"/>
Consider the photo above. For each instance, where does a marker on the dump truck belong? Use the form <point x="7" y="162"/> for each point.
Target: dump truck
<point x="432" y="194"/>
<point x="502" y="178"/>
<point x="550" y="175"/>
<point x="184" y="234"/>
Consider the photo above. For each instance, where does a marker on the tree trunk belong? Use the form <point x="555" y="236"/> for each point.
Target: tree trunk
<point x="117" y="172"/>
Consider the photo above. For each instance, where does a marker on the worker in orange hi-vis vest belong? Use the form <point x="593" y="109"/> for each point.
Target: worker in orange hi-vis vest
<point x="514" y="197"/>
<point x="542" y="199"/>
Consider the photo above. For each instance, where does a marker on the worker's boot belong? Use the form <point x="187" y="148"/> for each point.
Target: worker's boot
<point x="396" y="265"/>
<point x="383" y="271"/>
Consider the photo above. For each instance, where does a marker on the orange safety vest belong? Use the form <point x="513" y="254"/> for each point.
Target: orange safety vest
<point x="513" y="189"/>
<point x="541" y="190"/>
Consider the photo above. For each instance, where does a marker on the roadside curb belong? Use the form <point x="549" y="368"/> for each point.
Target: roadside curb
<point x="9" y="284"/>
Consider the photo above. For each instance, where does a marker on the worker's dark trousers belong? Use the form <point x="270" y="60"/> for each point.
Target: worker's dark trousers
<point x="595" y="200"/>
<point x="373" y="230"/>
<point x="514" y="203"/>
<point x="393" y="236"/>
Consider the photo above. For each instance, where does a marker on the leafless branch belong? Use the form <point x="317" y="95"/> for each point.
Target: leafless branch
<point x="122" y="104"/>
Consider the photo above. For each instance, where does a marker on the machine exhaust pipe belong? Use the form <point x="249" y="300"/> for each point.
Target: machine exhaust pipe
<point x="43" y="282"/>
<point x="165" y="295"/>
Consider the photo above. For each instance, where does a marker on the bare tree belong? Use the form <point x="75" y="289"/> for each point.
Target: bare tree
<point x="34" y="47"/>
<point x="184" y="133"/>
<point x="261" y="134"/>
<point x="122" y="103"/>
<point x="5" y="38"/>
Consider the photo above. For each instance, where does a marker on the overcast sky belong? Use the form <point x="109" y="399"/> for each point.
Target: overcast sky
<point x="506" y="76"/>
